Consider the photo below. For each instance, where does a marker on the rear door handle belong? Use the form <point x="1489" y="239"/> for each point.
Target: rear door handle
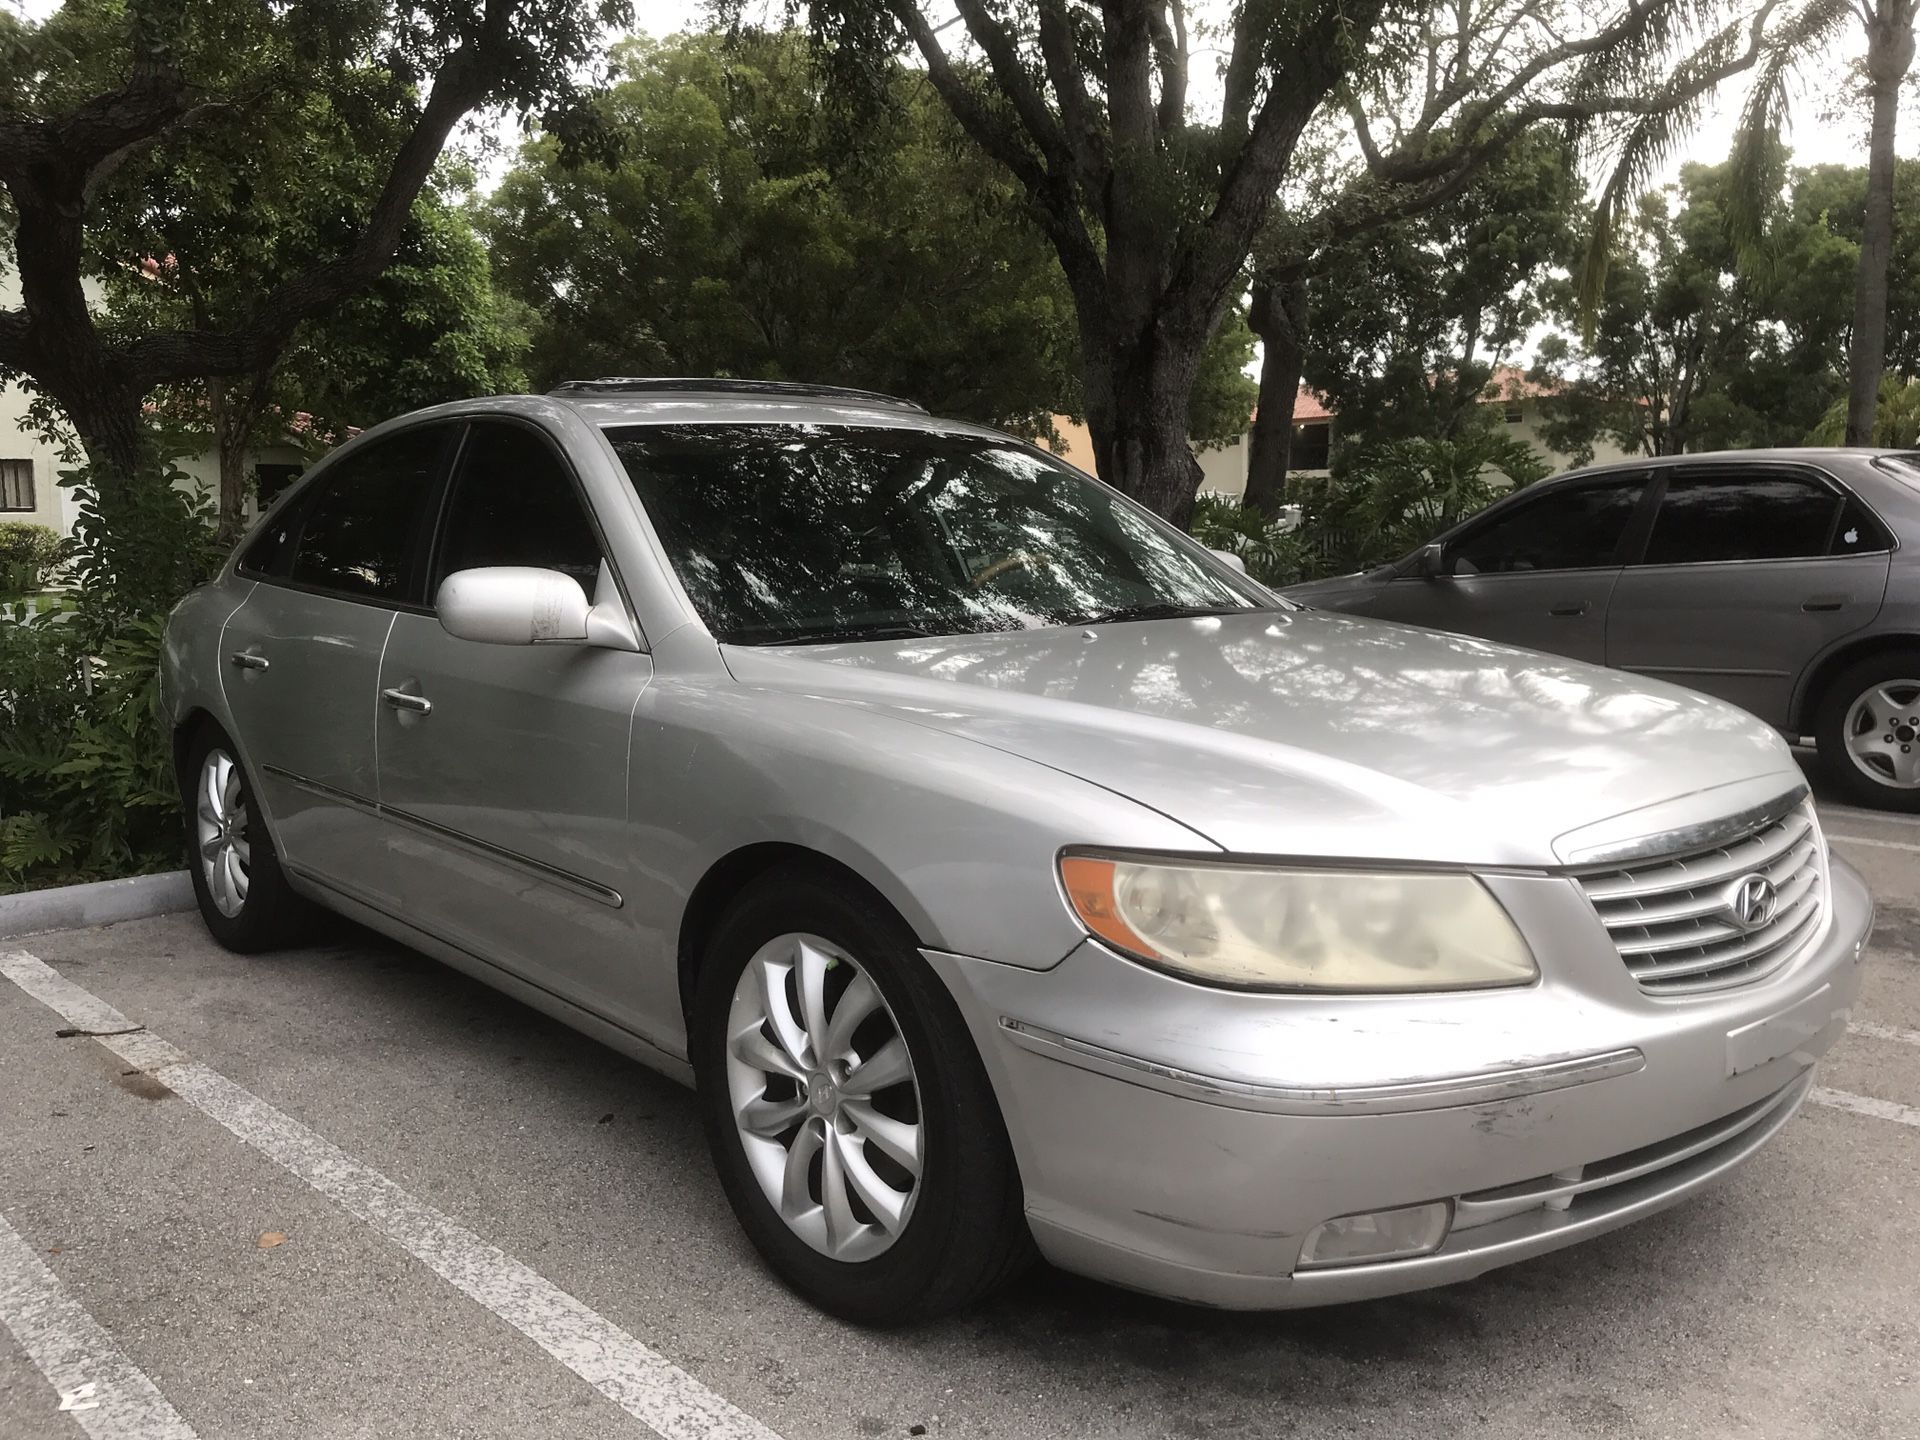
<point x="247" y="660"/>
<point x="1571" y="609"/>
<point x="1823" y="602"/>
<point x="407" y="700"/>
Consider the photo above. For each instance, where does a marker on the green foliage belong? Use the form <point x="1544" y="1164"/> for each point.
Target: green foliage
<point x="1406" y="322"/>
<point x="88" y="783"/>
<point x="28" y="554"/>
<point x="1383" y="501"/>
<point x="1273" y="553"/>
<point x="1703" y="344"/>
<point x="1896" y="420"/>
<point x="741" y="234"/>
<point x="1221" y="407"/>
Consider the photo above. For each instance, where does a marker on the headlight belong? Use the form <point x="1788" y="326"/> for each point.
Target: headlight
<point x="1284" y="929"/>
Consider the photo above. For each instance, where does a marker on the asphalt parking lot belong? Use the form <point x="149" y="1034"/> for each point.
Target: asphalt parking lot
<point x="378" y="1199"/>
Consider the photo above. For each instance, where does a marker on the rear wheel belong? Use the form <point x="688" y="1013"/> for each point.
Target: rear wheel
<point x="852" y="1124"/>
<point x="243" y="894"/>
<point x="1868" y="731"/>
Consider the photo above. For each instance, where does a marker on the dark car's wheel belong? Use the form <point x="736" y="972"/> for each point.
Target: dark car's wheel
<point x="244" y="896"/>
<point x="852" y="1123"/>
<point x="1868" y="731"/>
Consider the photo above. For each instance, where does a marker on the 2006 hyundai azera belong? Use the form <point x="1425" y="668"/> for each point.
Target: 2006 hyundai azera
<point x="1006" y="870"/>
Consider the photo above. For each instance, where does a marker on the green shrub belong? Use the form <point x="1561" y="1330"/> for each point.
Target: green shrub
<point x="86" y="778"/>
<point x="1272" y="554"/>
<point x="28" y="554"/>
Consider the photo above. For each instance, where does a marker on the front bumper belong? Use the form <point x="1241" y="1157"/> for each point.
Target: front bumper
<point x="1184" y="1141"/>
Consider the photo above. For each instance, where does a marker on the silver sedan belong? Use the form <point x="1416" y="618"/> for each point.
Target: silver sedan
<point x="1008" y="873"/>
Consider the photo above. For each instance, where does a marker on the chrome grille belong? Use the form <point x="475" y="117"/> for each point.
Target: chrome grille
<point x="1671" y="919"/>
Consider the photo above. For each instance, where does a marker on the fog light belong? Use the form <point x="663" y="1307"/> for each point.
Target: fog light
<point x="1377" y="1235"/>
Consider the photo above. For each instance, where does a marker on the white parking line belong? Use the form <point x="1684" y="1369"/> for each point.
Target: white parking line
<point x="1877" y="844"/>
<point x="1865" y="1105"/>
<point x="1884" y="1032"/>
<point x="110" y="1397"/>
<point x="640" y="1381"/>
<point x="1878" y="817"/>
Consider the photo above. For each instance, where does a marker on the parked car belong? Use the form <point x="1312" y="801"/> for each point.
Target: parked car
<point x="1786" y="581"/>
<point x="1004" y="869"/>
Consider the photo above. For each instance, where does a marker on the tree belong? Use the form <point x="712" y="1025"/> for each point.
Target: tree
<point x="1760" y="162"/>
<point x="1152" y="203"/>
<point x="1408" y="321"/>
<point x="107" y="92"/>
<point x="429" y="328"/>
<point x="738" y="236"/>
<point x="1695" y="345"/>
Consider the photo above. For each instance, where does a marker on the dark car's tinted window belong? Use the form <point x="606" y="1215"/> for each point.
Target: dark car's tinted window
<point x="362" y="528"/>
<point x="799" y="533"/>
<point x="1706" y="518"/>
<point x="1578" y="528"/>
<point x="513" y="503"/>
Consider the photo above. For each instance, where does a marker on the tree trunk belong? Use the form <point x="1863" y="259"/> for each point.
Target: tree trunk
<point x="109" y="422"/>
<point x="1279" y="318"/>
<point x="237" y="407"/>
<point x="1137" y="403"/>
<point x="1889" y="54"/>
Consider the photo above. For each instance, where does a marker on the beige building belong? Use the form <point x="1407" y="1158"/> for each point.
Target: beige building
<point x="1225" y="468"/>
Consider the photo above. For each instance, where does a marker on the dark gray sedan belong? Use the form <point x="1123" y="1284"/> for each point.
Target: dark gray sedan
<point x="1786" y="581"/>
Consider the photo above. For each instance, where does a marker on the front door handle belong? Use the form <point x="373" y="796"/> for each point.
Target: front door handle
<point x="1570" y="608"/>
<point x="1817" y="603"/>
<point x="247" y="660"/>
<point x="407" y="700"/>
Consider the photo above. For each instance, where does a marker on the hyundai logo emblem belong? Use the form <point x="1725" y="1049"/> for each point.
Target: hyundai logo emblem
<point x="1752" y="901"/>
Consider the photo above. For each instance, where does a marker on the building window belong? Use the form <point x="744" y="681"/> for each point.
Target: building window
<point x="1515" y="415"/>
<point x="16" y="484"/>
<point x="1311" y="444"/>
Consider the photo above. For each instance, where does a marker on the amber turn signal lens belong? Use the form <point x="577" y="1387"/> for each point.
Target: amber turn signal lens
<point x="1090" y="890"/>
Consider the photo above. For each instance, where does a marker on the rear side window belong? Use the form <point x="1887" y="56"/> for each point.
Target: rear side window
<point x="364" y="526"/>
<point x="1859" y="532"/>
<point x="1577" y="528"/>
<point x="270" y="553"/>
<point x="513" y="503"/>
<point x="1707" y="518"/>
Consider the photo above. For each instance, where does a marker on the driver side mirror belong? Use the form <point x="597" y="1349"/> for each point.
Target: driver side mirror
<point x="1227" y="557"/>
<point x="522" y="605"/>
<point x="1430" y="561"/>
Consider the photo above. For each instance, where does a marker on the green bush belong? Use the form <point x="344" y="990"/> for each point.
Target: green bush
<point x="1383" y="501"/>
<point x="86" y="778"/>
<point x="28" y="554"/>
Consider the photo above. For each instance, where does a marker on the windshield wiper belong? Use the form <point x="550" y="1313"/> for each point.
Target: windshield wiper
<point x="1159" y="610"/>
<point x="851" y="634"/>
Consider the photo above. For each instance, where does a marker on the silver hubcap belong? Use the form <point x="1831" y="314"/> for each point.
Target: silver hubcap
<point x="222" y="820"/>
<point x="824" y="1097"/>
<point x="1883" y="734"/>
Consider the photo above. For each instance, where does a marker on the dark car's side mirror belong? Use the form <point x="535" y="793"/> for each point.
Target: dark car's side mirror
<point x="1430" y="561"/>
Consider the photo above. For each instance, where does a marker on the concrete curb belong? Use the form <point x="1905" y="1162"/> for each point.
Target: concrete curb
<point x="104" y="902"/>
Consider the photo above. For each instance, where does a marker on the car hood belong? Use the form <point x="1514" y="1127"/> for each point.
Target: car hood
<point x="1304" y="733"/>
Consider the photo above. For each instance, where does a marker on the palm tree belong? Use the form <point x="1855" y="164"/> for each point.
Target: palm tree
<point x="1758" y="159"/>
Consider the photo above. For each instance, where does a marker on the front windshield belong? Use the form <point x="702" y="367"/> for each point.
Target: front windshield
<point x="786" y="534"/>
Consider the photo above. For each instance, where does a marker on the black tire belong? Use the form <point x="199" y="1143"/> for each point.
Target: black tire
<point x="1830" y="728"/>
<point x="966" y="1233"/>
<point x="270" y="913"/>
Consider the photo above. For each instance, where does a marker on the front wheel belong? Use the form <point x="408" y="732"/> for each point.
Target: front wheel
<point x="1868" y="731"/>
<point x="854" y="1129"/>
<point x="243" y="894"/>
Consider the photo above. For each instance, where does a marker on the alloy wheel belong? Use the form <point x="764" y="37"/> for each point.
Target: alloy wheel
<point x="1882" y="733"/>
<point x="824" y="1097"/>
<point x="222" y="822"/>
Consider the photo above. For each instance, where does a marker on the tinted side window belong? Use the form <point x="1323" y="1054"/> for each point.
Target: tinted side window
<point x="1573" y="529"/>
<point x="1859" y="532"/>
<point x="270" y="552"/>
<point x="513" y="503"/>
<point x="363" y="526"/>
<point x="1733" y="517"/>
